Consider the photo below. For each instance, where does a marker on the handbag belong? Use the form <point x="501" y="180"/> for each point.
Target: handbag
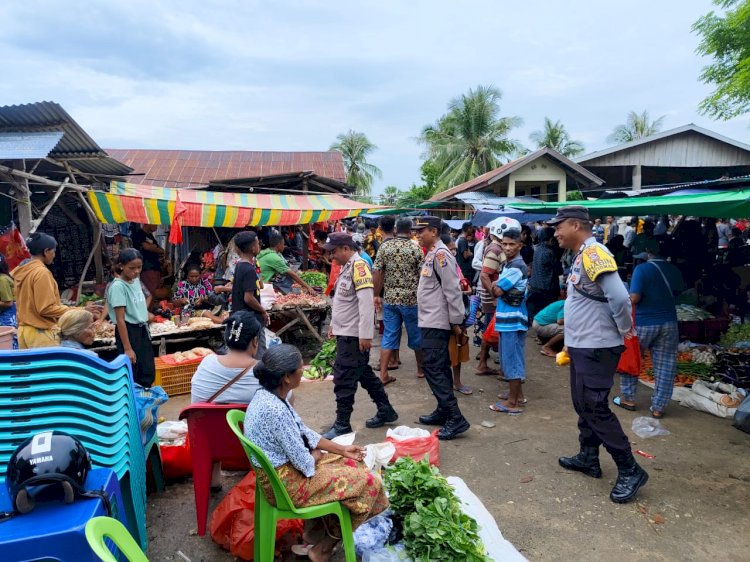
<point x="230" y="383"/>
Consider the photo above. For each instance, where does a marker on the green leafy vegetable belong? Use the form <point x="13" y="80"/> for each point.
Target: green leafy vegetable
<point x="736" y="333"/>
<point x="322" y="364"/>
<point x="314" y="278"/>
<point x="435" y="527"/>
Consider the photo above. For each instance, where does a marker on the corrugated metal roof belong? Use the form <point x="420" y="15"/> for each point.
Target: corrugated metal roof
<point x="193" y="168"/>
<point x="75" y="145"/>
<point x="19" y="146"/>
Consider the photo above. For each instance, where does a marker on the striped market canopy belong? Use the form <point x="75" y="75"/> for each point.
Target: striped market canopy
<point x="127" y="202"/>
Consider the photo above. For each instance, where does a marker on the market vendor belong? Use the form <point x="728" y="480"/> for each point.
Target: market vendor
<point x="37" y="295"/>
<point x="275" y="269"/>
<point x="146" y="244"/>
<point x="77" y="329"/>
<point x="311" y="468"/>
<point x="196" y="296"/>
<point x="549" y="325"/>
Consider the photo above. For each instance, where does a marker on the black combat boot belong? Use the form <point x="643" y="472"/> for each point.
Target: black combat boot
<point x="587" y="461"/>
<point x="386" y="414"/>
<point x="453" y="428"/>
<point x="438" y="417"/>
<point x="630" y="478"/>
<point x="340" y="427"/>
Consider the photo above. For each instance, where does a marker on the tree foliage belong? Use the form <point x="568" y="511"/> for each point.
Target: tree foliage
<point x="637" y="126"/>
<point x="390" y="195"/>
<point x="355" y="148"/>
<point x="726" y="39"/>
<point x="472" y="138"/>
<point x="417" y="194"/>
<point x="555" y="136"/>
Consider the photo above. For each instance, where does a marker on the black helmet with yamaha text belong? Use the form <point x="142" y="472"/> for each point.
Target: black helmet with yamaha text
<point x="48" y="458"/>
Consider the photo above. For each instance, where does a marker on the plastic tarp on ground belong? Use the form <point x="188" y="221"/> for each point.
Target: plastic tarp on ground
<point x="735" y="204"/>
<point x="126" y="202"/>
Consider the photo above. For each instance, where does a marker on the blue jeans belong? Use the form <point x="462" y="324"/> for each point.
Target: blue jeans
<point x="661" y="340"/>
<point x="393" y="316"/>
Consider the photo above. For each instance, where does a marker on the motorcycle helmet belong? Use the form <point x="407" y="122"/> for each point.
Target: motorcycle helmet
<point x="499" y="226"/>
<point x="48" y="458"/>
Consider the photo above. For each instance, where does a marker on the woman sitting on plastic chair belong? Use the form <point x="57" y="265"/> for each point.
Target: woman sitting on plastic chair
<point x="309" y="474"/>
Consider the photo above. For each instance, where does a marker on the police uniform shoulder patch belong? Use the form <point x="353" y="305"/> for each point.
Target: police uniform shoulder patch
<point x="361" y="275"/>
<point x="442" y="259"/>
<point x="597" y="260"/>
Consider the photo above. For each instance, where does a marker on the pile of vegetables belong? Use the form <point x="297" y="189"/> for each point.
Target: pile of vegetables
<point x="435" y="528"/>
<point x="690" y="313"/>
<point x="735" y="334"/>
<point x="314" y="278"/>
<point x="292" y="300"/>
<point x="322" y="364"/>
<point x="688" y="370"/>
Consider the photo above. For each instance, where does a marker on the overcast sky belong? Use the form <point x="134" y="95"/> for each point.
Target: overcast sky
<point x="286" y="75"/>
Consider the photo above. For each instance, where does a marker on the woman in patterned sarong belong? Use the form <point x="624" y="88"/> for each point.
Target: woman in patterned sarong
<point x="310" y="475"/>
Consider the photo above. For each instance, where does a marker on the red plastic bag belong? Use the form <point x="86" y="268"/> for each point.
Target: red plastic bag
<point x="630" y="360"/>
<point x="176" y="460"/>
<point x="232" y="523"/>
<point x="417" y="448"/>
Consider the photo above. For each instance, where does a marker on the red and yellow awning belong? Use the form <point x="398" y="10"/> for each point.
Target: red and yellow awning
<point x="127" y="202"/>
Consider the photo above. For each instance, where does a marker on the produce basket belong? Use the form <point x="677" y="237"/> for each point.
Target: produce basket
<point x="175" y="379"/>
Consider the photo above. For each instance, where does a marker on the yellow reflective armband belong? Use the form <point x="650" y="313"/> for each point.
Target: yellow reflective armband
<point x="596" y="260"/>
<point x="361" y="275"/>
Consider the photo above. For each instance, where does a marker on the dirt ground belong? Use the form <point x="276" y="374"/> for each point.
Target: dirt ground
<point x="696" y="505"/>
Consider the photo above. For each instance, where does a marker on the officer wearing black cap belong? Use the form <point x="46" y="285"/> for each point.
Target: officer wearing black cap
<point x="440" y="312"/>
<point x="597" y="318"/>
<point x="353" y="324"/>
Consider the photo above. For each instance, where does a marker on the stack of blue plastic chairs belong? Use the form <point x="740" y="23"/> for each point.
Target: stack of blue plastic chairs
<point x="78" y="393"/>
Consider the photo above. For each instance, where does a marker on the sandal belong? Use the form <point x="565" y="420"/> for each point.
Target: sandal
<point x="498" y="407"/>
<point x="301" y="549"/>
<point x="420" y="375"/>
<point x="547" y="352"/>
<point x="617" y="401"/>
<point x="463" y="389"/>
<point x="488" y="373"/>
<point x="389" y="380"/>
<point x="656" y="413"/>
<point x="504" y="396"/>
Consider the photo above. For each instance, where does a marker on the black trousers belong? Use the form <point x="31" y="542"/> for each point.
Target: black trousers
<point x="352" y="366"/>
<point x="144" y="369"/>
<point x="591" y="377"/>
<point x="436" y="363"/>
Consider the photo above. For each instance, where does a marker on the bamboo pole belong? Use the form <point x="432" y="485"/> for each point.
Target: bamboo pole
<point x="38" y="221"/>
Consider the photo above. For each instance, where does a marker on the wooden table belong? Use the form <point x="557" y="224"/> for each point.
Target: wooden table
<point x="298" y="316"/>
<point x="161" y="340"/>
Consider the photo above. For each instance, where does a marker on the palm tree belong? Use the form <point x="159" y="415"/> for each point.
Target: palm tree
<point x="471" y="138"/>
<point x="555" y="136"/>
<point x="637" y="126"/>
<point x="390" y="195"/>
<point x="355" y="148"/>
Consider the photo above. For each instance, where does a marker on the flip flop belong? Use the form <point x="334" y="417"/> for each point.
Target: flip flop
<point x="463" y="389"/>
<point x="389" y="380"/>
<point x="498" y="407"/>
<point x="301" y="549"/>
<point x="617" y="401"/>
<point x="393" y="367"/>
<point x="504" y="396"/>
<point x="420" y="375"/>
<point x="488" y="373"/>
<point x="656" y="413"/>
<point x="547" y="353"/>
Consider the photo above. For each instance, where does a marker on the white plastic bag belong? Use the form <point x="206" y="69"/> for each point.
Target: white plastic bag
<point x="372" y="534"/>
<point x="378" y="455"/>
<point x="405" y="432"/>
<point x="645" y="427"/>
<point x="172" y="430"/>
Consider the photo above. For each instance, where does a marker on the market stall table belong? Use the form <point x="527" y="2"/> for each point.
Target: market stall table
<point x="311" y="318"/>
<point x="181" y="334"/>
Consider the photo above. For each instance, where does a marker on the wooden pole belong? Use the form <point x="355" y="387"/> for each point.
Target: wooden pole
<point x="97" y="240"/>
<point x="38" y="221"/>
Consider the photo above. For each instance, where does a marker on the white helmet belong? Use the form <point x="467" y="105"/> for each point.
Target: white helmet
<point x="499" y="226"/>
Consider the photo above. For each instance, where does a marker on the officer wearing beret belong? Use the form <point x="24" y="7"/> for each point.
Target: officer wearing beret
<point x="440" y="312"/>
<point x="597" y="318"/>
<point x="353" y="324"/>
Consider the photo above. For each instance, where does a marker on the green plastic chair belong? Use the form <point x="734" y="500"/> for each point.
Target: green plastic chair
<point x="266" y="515"/>
<point x="98" y="529"/>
